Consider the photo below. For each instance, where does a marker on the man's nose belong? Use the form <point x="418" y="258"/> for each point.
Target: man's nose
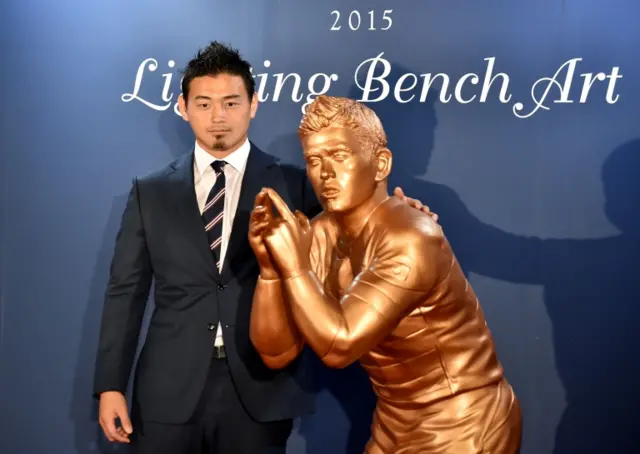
<point x="218" y="113"/>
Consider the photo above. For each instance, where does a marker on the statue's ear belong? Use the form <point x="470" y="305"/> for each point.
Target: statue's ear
<point x="383" y="163"/>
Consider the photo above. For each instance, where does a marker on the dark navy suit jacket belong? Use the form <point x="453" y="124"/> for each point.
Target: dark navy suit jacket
<point x="162" y="239"/>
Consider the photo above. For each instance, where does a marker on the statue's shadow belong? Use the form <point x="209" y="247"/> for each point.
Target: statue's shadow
<point x="590" y="295"/>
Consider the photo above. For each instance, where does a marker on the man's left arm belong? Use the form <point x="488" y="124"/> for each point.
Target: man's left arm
<point x="406" y="268"/>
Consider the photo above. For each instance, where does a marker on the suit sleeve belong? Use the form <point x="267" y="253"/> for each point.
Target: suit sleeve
<point x="125" y="300"/>
<point x="405" y="269"/>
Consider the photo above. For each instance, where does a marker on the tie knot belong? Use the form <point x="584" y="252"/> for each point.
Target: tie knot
<point x="218" y="166"/>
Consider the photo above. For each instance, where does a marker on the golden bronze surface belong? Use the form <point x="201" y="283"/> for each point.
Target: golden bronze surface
<point x="374" y="280"/>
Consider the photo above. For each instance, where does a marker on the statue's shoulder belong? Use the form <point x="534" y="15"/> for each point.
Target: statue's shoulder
<point x="411" y="248"/>
<point x="413" y="225"/>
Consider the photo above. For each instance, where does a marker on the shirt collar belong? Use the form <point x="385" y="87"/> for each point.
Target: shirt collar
<point x="237" y="159"/>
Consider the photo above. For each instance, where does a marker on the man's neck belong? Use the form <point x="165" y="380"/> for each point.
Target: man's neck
<point x="221" y="154"/>
<point x="352" y="223"/>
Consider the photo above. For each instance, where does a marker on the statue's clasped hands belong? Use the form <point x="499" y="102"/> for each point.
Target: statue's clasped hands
<point x="281" y="244"/>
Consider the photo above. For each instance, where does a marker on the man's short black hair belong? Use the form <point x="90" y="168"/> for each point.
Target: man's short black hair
<point x="216" y="59"/>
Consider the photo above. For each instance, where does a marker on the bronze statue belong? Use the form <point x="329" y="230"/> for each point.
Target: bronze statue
<point x="374" y="280"/>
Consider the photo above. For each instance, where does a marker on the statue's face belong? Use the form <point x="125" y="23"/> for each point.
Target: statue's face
<point x="342" y="173"/>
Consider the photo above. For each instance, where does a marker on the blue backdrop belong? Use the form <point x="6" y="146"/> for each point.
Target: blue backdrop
<point x="540" y="203"/>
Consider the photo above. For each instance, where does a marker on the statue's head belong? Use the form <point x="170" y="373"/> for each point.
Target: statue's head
<point x="345" y="148"/>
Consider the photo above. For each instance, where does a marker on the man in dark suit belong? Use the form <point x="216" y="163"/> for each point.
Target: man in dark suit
<point x="200" y="386"/>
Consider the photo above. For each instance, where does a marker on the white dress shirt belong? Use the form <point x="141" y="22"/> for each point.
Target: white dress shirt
<point x="205" y="178"/>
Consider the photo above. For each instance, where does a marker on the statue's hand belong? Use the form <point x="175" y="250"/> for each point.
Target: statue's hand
<point x="288" y="239"/>
<point x="260" y="219"/>
<point x="414" y="203"/>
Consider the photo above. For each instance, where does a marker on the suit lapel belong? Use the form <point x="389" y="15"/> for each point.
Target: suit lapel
<point x="183" y="191"/>
<point x="253" y="181"/>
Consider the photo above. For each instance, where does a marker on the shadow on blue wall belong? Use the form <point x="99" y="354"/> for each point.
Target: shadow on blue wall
<point x="84" y="410"/>
<point x="590" y="292"/>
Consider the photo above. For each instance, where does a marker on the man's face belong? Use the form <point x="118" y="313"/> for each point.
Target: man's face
<point x="342" y="173"/>
<point x="219" y="111"/>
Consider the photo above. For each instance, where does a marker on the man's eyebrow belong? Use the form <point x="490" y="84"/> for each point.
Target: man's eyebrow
<point x="232" y="96"/>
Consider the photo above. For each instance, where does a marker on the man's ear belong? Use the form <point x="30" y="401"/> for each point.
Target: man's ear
<point x="182" y="106"/>
<point x="254" y="105"/>
<point x="383" y="163"/>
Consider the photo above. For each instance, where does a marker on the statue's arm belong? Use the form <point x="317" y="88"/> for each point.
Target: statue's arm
<point x="406" y="267"/>
<point x="273" y="330"/>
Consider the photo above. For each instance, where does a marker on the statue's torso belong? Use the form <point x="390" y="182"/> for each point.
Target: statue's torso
<point x="440" y="347"/>
<point x="436" y="375"/>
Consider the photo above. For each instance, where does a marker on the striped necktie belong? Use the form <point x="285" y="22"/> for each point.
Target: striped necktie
<point x="213" y="212"/>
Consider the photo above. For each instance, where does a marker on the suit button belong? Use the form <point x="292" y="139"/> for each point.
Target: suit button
<point x="211" y="326"/>
<point x="221" y="286"/>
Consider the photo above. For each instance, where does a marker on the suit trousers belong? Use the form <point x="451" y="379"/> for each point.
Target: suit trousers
<point x="220" y="425"/>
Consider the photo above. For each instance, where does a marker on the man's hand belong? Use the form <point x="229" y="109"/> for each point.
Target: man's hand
<point x="114" y="405"/>
<point x="288" y="239"/>
<point x="261" y="217"/>
<point x="414" y="203"/>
